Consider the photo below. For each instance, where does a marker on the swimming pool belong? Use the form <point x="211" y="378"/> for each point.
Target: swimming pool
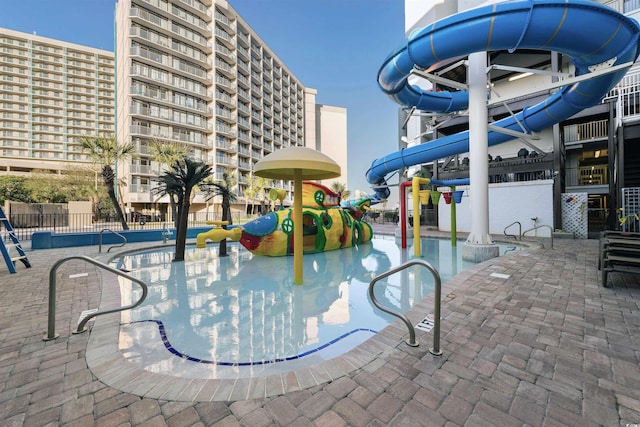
<point x="241" y="316"/>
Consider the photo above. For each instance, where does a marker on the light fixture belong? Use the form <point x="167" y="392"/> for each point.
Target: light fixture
<point x="520" y="76"/>
<point x="597" y="154"/>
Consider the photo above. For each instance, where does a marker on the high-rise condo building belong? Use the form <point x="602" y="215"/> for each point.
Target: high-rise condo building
<point x="194" y="73"/>
<point x="186" y="72"/>
<point x="51" y="94"/>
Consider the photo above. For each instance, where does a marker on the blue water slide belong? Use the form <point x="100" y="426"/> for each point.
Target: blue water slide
<point x="592" y="35"/>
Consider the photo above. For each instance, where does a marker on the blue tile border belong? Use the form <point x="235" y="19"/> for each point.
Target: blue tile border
<point x="172" y="350"/>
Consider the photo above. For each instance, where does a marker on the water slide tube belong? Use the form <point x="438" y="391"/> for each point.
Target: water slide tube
<point x="592" y="35"/>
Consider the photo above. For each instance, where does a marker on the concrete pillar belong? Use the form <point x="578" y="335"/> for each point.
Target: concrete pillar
<point x="479" y="246"/>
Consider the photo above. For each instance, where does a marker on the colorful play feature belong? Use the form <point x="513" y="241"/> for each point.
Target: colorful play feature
<point x="420" y="196"/>
<point x="326" y="226"/>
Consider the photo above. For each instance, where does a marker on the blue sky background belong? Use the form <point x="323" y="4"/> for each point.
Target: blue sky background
<point x="334" y="46"/>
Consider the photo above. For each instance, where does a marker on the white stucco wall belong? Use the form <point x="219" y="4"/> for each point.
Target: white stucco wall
<point x="508" y="202"/>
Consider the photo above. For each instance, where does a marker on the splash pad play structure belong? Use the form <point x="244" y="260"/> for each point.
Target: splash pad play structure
<point x="419" y="196"/>
<point x="326" y="226"/>
<point x="601" y="43"/>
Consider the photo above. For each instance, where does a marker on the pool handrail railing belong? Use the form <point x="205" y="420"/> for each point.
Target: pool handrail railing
<point x="540" y="226"/>
<point x="124" y="239"/>
<point x="51" y="323"/>
<point x="436" y="311"/>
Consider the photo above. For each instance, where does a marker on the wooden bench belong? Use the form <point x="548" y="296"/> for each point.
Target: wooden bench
<point x="619" y="251"/>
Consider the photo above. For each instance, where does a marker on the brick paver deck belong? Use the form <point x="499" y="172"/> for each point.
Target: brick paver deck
<point x="547" y="346"/>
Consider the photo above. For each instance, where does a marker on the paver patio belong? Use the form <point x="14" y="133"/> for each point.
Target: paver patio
<point x="547" y="346"/>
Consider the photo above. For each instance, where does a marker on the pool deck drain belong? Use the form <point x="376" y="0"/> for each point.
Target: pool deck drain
<point x="500" y="275"/>
<point x="426" y="324"/>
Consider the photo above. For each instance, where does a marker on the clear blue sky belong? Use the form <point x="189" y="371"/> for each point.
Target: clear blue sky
<point x="334" y="46"/>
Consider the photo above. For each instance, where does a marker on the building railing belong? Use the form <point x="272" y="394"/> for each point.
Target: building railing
<point x="627" y="92"/>
<point x="587" y="175"/>
<point x="586" y="131"/>
<point x="624" y="6"/>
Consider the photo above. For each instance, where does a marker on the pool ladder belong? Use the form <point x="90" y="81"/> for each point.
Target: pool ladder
<point x="436" y="311"/>
<point x="521" y="233"/>
<point x="51" y="326"/>
<point x="124" y="239"/>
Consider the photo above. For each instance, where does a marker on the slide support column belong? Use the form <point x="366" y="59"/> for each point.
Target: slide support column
<point x="479" y="246"/>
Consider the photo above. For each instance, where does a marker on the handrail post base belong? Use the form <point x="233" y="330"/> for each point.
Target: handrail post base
<point x="435" y="352"/>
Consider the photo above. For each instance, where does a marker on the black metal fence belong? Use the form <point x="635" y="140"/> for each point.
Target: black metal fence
<point x="25" y="225"/>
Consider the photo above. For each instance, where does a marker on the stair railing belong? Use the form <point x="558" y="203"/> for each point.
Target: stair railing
<point x="436" y="311"/>
<point x="519" y="236"/>
<point x="51" y="326"/>
<point x="541" y="226"/>
<point x="124" y="239"/>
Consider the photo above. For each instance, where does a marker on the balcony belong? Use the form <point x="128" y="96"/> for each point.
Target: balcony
<point x="225" y="38"/>
<point x="586" y="132"/>
<point x="148" y="56"/>
<point x="225" y="83"/>
<point x="222" y="128"/>
<point x="226" y="53"/>
<point x="194" y="72"/>
<point x="143" y="170"/>
<point x="227" y="161"/>
<point x="224" y="20"/>
<point x="187" y="36"/>
<point x="587" y="175"/>
<point x="224" y="98"/>
<point x="140" y="188"/>
<point x="225" y="68"/>
<point x="145" y="18"/>
<point x="149" y="36"/>
<point x="199" y="9"/>
<point x="192" y="21"/>
<point x="225" y="145"/>
<point x="150" y="93"/>
<point x="191" y="54"/>
<point x="243" y="39"/>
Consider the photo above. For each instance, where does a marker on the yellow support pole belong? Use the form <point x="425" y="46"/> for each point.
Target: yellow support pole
<point x="415" y="195"/>
<point x="297" y="227"/>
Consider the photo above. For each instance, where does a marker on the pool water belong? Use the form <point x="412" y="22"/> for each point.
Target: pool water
<point x="242" y="316"/>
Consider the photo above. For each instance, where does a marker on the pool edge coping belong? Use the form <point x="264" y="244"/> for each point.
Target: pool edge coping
<point x="106" y="361"/>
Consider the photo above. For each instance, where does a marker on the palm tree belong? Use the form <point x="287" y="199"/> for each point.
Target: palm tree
<point x="341" y="189"/>
<point x="179" y="181"/>
<point x="255" y="189"/>
<point x="167" y="153"/>
<point x="106" y="151"/>
<point x="223" y="188"/>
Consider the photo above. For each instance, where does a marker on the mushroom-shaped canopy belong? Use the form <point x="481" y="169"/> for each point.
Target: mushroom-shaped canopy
<point x="311" y="164"/>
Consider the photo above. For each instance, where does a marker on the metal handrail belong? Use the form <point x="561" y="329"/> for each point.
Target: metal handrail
<point x="436" y="311"/>
<point x="124" y="239"/>
<point x="51" y="326"/>
<point x="165" y="232"/>
<point x="519" y="236"/>
<point x="541" y="226"/>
